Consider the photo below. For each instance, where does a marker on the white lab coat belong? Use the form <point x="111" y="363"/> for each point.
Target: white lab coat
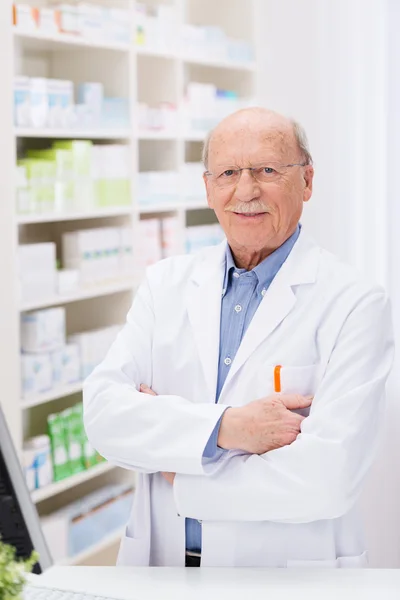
<point x="295" y="506"/>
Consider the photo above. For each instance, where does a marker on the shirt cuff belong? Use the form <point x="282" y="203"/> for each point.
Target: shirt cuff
<point x="212" y="451"/>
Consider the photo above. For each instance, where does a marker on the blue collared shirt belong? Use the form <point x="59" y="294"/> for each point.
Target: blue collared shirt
<point x="241" y="296"/>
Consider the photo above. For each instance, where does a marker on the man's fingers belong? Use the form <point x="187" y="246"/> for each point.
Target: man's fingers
<point x="294" y="401"/>
<point x="146" y="390"/>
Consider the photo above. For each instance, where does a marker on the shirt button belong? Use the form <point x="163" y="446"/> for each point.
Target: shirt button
<point x="228" y="360"/>
<point x="263" y="292"/>
<point x="238" y="308"/>
<point x="236" y="274"/>
<point x="223" y="291"/>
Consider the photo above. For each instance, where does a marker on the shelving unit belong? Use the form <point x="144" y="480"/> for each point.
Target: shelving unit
<point x="59" y="487"/>
<point x="140" y="74"/>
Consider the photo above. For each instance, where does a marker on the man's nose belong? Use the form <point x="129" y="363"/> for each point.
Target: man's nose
<point x="247" y="187"/>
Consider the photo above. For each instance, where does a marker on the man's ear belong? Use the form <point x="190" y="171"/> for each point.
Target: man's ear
<point x="208" y="191"/>
<point x="308" y="177"/>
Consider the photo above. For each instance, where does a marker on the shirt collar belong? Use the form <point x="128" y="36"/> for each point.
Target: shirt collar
<point x="268" y="268"/>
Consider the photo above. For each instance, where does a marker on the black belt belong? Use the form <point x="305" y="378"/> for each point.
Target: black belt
<point x="192" y="561"/>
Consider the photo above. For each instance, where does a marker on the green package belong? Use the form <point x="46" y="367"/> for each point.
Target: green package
<point x="61" y="466"/>
<point x="73" y="428"/>
<point x="63" y="160"/>
<point x="81" y="155"/>
<point x="89" y="454"/>
<point x="113" y="192"/>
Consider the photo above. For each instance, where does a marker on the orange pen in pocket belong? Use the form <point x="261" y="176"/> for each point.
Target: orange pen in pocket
<point x="277" y="379"/>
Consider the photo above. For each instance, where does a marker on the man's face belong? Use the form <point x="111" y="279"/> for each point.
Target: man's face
<point x="256" y="214"/>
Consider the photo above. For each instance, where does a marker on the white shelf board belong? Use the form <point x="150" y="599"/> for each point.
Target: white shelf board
<point x="195" y="136"/>
<point x="90" y="292"/>
<point x="99" y="213"/>
<point x="158" y="208"/>
<point x="221" y="64"/>
<point x="69" y="482"/>
<point x="155" y="52"/>
<point x="58" y="41"/>
<point x="54" y="394"/>
<point x="157" y="135"/>
<point x="109" y="540"/>
<point x="87" y="134"/>
<point x="198" y="205"/>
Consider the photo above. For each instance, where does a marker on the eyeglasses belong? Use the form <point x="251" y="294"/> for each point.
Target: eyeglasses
<point x="266" y="173"/>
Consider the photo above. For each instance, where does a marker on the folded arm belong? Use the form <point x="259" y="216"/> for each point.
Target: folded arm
<point x="319" y="475"/>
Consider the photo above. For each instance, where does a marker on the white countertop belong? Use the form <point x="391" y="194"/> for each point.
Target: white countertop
<point x="164" y="583"/>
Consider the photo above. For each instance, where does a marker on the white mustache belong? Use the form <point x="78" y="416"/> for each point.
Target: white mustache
<point x="254" y="206"/>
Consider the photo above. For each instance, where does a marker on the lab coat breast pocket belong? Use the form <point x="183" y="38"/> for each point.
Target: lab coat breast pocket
<point x="300" y="380"/>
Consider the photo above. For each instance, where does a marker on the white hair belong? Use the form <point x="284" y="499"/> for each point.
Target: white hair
<point x="299" y="134"/>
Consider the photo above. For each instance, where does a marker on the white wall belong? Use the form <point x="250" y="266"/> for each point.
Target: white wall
<point x="326" y="64"/>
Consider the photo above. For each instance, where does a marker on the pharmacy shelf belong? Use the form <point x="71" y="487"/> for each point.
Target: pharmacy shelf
<point x="55" y="394"/>
<point x="82" y="134"/>
<point x="117" y="211"/>
<point x="160" y="208"/>
<point x="221" y="64"/>
<point x="37" y="40"/>
<point x="157" y="135"/>
<point x="109" y="540"/>
<point x="66" y="484"/>
<point x="155" y="52"/>
<point x="84" y="294"/>
<point x="194" y="136"/>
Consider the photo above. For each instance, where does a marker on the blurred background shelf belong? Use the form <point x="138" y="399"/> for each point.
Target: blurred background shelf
<point x="92" y="292"/>
<point x="81" y="134"/>
<point x="37" y="40"/>
<point x="69" y="482"/>
<point x="55" y="394"/>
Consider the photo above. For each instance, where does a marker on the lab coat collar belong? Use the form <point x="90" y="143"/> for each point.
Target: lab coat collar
<point x="204" y="304"/>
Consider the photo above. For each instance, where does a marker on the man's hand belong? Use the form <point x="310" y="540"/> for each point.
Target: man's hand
<point x="263" y="425"/>
<point x="146" y="390"/>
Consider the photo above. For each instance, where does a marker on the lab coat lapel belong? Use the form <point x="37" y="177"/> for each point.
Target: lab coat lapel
<point x="299" y="268"/>
<point x="204" y="311"/>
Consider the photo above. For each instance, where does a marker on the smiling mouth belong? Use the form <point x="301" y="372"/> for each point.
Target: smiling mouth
<point x="250" y="214"/>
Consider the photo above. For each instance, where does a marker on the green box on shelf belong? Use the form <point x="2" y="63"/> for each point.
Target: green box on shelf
<point x="81" y="155"/>
<point x="62" y="158"/>
<point x="61" y="466"/>
<point x="113" y="192"/>
<point x="41" y="176"/>
<point x="73" y="427"/>
<point x="89" y="454"/>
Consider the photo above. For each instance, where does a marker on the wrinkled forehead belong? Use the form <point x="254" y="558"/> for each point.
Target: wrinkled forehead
<point x="248" y="145"/>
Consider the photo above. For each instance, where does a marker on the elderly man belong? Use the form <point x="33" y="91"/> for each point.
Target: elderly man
<point x="207" y="390"/>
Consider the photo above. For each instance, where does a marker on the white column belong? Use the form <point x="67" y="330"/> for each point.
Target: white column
<point x="9" y="342"/>
<point x="326" y="63"/>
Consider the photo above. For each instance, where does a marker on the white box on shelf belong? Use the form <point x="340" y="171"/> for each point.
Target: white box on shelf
<point x="25" y="17"/>
<point x="37" y="270"/>
<point x="126" y="252"/>
<point x="43" y="330"/>
<point x="91" y="21"/>
<point x="61" y="102"/>
<point x="147" y="248"/>
<point x="39" y="102"/>
<point x="48" y="21"/>
<point x="22" y="105"/>
<point x="36" y="373"/>
<point x="91" y="95"/>
<point x="67" y="281"/>
<point x="66" y="365"/>
<point x="171" y="237"/>
<point x="68" y="17"/>
<point x="36" y="257"/>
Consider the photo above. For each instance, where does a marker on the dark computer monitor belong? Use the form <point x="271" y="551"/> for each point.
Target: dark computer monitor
<point x="19" y="520"/>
